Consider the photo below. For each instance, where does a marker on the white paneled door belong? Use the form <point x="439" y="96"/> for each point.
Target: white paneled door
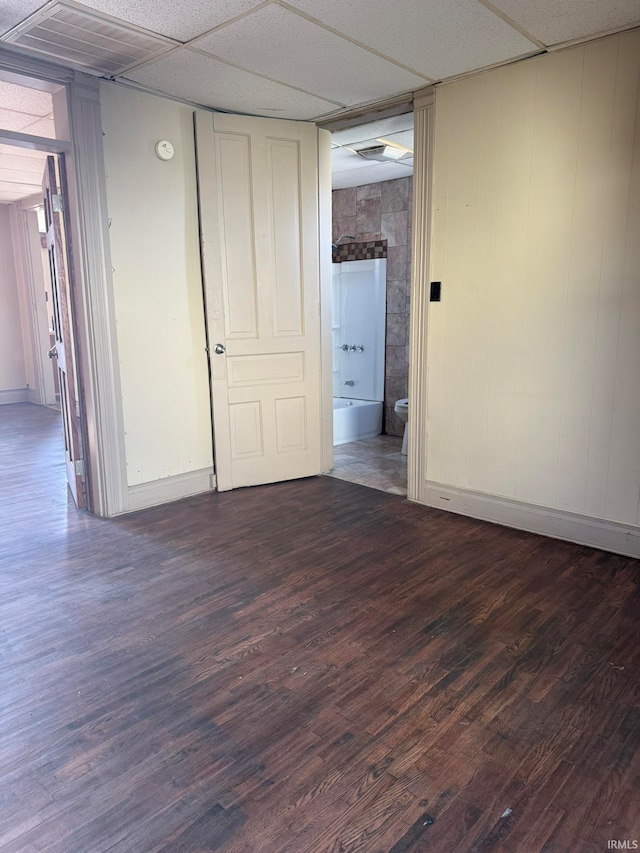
<point x="56" y="212"/>
<point x="258" y="190"/>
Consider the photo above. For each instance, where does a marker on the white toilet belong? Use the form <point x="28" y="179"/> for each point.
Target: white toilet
<point x="401" y="409"/>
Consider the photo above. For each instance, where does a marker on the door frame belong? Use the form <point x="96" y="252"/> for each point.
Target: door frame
<point x="93" y="301"/>
<point x="326" y="336"/>
<point x="424" y="114"/>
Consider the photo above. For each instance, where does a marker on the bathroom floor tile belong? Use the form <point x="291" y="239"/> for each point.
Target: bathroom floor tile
<point x="373" y="462"/>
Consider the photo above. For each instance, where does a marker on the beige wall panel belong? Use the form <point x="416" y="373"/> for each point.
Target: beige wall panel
<point x="510" y="239"/>
<point x="13" y="373"/>
<point x="459" y="297"/>
<point x="436" y="316"/>
<point x="551" y="195"/>
<point x="154" y="236"/>
<point x="534" y="352"/>
<point x="586" y="252"/>
<point x="619" y="245"/>
<point x="623" y="502"/>
<point x="487" y="201"/>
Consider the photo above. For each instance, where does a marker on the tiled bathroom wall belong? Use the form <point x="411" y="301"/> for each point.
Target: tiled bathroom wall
<point x="383" y="212"/>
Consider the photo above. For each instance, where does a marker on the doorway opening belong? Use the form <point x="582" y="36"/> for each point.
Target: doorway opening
<point x="38" y="363"/>
<point x="372" y="192"/>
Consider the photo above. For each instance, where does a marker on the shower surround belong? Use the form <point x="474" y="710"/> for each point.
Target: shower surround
<point x="375" y="212"/>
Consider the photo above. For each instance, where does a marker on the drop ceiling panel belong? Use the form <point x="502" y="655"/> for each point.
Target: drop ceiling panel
<point x="15" y="176"/>
<point x="344" y="160"/>
<point x="284" y="46"/>
<point x="42" y="127"/>
<point x="21" y="172"/>
<point x="373" y="174"/>
<point x="552" y="22"/>
<point x="433" y="38"/>
<point x="201" y="79"/>
<point x="12" y="12"/>
<point x="404" y="138"/>
<point x="14" y="192"/>
<point x="182" y="20"/>
<point x="28" y="165"/>
<point x="23" y="153"/>
<point x="373" y="129"/>
<point x="24" y="100"/>
<point x="11" y="120"/>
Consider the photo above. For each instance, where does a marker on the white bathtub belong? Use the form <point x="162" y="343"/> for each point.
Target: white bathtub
<point x="355" y="419"/>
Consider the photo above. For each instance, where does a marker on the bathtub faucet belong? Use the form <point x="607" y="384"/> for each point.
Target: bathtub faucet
<point x="348" y="382"/>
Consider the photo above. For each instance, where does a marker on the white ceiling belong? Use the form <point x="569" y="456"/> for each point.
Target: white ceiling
<point x="30" y="111"/>
<point x="307" y="59"/>
<point x="300" y="59"/>
<point x="349" y="169"/>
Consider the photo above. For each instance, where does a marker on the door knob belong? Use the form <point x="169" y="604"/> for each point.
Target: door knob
<point x="53" y="352"/>
<point x="218" y="349"/>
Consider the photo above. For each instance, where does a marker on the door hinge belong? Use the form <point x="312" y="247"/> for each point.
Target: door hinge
<point x="57" y="203"/>
<point x="78" y="467"/>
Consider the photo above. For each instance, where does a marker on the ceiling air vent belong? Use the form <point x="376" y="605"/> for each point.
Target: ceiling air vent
<point x="384" y="153"/>
<point x="83" y="40"/>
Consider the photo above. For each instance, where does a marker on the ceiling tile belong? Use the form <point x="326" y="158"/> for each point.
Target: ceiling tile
<point x="343" y="160"/>
<point x="287" y="47"/>
<point x="201" y="79"/>
<point x="11" y="120"/>
<point x="373" y="174"/>
<point x="12" y="12"/>
<point x="24" y="165"/>
<point x="434" y="38"/>
<point x="404" y="138"/>
<point x="182" y="21"/>
<point x="17" y="177"/>
<point x="552" y="22"/>
<point x="17" y="151"/>
<point x="373" y="129"/>
<point x="42" y="127"/>
<point x="17" y="191"/>
<point x="25" y="100"/>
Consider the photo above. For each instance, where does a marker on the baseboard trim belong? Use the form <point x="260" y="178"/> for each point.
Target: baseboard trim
<point x="14" y="395"/>
<point x="168" y="489"/>
<point x="558" y="524"/>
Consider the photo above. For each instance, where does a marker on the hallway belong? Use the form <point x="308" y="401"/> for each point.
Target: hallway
<point x="304" y="667"/>
<point x="34" y="499"/>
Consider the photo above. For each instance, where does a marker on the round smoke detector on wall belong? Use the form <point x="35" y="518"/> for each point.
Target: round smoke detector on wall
<point x="164" y="149"/>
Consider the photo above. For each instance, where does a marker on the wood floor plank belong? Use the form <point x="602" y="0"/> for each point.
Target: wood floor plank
<point x="309" y="666"/>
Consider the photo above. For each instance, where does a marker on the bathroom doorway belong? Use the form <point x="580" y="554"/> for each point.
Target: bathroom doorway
<point x="372" y="177"/>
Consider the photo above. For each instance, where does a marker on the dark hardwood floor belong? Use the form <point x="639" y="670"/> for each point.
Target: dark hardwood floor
<point x="309" y="666"/>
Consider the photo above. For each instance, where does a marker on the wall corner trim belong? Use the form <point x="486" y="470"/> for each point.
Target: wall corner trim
<point x="101" y="364"/>
<point x="598" y="533"/>
<point x="419" y="303"/>
<point x="145" y="495"/>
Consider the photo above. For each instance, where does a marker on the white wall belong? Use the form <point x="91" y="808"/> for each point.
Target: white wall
<point x="154" y="236"/>
<point x="534" y="351"/>
<point x="13" y="374"/>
